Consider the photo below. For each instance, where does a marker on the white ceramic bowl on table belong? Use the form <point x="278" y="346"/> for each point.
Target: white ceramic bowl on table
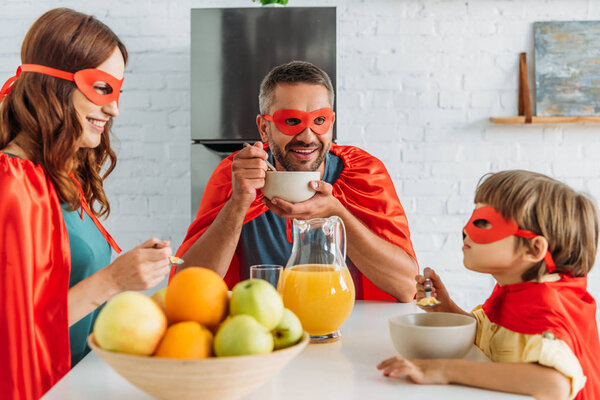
<point x="215" y="378"/>
<point x="433" y="335"/>
<point x="292" y="186"/>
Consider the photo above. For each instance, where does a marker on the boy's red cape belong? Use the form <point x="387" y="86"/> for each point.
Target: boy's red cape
<point x="364" y="188"/>
<point x="35" y="264"/>
<point x="564" y="308"/>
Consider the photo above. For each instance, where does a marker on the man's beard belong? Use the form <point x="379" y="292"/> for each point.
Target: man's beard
<point x="287" y="163"/>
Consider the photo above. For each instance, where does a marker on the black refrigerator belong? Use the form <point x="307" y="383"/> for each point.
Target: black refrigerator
<point x="232" y="49"/>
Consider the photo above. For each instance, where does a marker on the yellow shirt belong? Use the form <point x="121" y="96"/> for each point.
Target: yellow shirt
<point x="503" y="345"/>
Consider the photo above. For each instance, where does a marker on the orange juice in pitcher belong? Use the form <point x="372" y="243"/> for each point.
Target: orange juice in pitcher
<point x="321" y="296"/>
<point x="316" y="284"/>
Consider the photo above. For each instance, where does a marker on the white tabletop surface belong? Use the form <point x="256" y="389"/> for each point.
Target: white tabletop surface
<point x="342" y="370"/>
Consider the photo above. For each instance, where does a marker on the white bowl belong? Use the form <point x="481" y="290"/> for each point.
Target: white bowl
<point x="292" y="186"/>
<point x="433" y="335"/>
<point x="215" y="378"/>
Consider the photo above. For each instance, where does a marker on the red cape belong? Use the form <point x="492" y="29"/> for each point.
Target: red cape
<point x="35" y="263"/>
<point x="364" y="188"/>
<point x="563" y="307"/>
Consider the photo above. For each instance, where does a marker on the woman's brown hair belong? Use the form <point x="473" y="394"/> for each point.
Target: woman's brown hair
<point x="39" y="115"/>
<point x="547" y="207"/>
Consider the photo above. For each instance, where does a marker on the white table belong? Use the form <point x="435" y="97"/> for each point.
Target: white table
<point x="342" y="370"/>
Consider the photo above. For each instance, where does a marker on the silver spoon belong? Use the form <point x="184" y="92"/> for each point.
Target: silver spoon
<point x="270" y="166"/>
<point x="428" y="300"/>
<point x="172" y="259"/>
<point x="175" y="260"/>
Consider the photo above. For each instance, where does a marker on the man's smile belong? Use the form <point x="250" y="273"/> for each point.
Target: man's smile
<point x="304" y="153"/>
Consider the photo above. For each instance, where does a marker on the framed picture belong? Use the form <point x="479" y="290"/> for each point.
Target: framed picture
<point x="567" y="68"/>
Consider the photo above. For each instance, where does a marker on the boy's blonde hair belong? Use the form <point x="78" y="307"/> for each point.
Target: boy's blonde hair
<point x="547" y="207"/>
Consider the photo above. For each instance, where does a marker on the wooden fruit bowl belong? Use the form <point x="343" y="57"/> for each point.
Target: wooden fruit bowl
<point x="218" y="378"/>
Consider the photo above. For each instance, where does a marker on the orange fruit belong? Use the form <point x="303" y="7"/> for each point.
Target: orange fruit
<point x="197" y="294"/>
<point x="188" y="340"/>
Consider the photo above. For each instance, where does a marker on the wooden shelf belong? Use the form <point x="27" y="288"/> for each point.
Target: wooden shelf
<point x="526" y="116"/>
<point x="544" y="120"/>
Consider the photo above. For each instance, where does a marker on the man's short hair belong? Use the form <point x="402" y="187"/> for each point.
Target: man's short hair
<point x="293" y="72"/>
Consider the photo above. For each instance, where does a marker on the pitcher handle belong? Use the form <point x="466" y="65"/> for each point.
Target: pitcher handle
<point x="342" y="238"/>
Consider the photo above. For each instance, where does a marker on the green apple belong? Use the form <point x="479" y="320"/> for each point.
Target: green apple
<point x="288" y="331"/>
<point x="130" y="323"/>
<point x="242" y="335"/>
<point x="258" y="299"/>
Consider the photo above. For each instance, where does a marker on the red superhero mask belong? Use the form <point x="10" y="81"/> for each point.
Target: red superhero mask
<point x="98" y="86"/>
<point x="497" y="228"/>
<point x="292" y="122"/>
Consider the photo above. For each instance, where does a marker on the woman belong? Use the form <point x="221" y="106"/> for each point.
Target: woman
<point x="55" y="269"/>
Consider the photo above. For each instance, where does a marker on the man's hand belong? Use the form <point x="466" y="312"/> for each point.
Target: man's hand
<point x="248" y="173"/>
<point x="321" y="205"/>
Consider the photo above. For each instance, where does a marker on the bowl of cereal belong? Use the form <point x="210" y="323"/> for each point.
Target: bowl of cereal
<point x="292" y="186"/>
<point x="433" y="335"/>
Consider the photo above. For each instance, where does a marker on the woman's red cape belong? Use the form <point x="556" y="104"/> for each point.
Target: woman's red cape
<point x="364" y="187"/>
<point x="564" y="308"/>
<point x="35" y="263"/>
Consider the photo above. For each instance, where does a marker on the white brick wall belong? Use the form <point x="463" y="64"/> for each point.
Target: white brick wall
<point x="417" y="82"/>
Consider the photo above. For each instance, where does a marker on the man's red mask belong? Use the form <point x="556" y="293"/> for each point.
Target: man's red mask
<point x="293" y="122"/>
<point x="98" y="86"/>
<point x="497" y="228"/>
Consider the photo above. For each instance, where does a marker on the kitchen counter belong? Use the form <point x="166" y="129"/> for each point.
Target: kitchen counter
<point x="341" y="370"/>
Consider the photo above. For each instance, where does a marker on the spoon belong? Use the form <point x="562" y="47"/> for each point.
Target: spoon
<point x="428" y="300"/>
<point x="270" y="166"/>
<point x="172" y="259"/>
<point x="175" y="261"/>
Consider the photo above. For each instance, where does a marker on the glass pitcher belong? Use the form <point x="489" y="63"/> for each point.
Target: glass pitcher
<point x="316" y="284"/>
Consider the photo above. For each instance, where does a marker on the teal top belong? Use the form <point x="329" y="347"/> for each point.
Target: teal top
<point x="90" y="252"/>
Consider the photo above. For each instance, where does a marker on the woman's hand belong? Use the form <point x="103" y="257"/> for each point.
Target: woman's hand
<point x="419" y="371"/>
<point x="142" y="267"/>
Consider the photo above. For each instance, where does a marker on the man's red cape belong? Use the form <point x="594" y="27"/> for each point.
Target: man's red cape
<point x="364" y="188"/>
<point x="564" y="308"/>
<point x="35" y="264"/>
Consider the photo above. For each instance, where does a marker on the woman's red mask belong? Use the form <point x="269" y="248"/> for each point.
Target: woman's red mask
<point x="497" y="228"/>
<point x="98" y="86"/>
<point x="293" y="122"/>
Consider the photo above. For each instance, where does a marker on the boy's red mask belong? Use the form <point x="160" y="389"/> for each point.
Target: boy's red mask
<point x="499" y="228"/>
<point x="86" y="80"/>
<point x="293" y="122"/>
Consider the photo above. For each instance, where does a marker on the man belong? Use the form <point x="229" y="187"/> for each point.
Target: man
<point x="237" y="227"/>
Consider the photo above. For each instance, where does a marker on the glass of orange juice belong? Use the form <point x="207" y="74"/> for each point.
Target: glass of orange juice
<point x="316" y="284"/>
<point x="321" y="296"/>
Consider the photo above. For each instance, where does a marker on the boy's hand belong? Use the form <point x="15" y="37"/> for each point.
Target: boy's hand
<point x="438" y="290"/>
<point x="419" y="371"/>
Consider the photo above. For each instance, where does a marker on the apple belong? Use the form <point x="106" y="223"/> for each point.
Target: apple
<point x="159" y="297"/>
<point x="242" y="335"/>
<point x="258" y="299"/>
<point x="130" y="322"/>
<point x="288" y="331"/>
